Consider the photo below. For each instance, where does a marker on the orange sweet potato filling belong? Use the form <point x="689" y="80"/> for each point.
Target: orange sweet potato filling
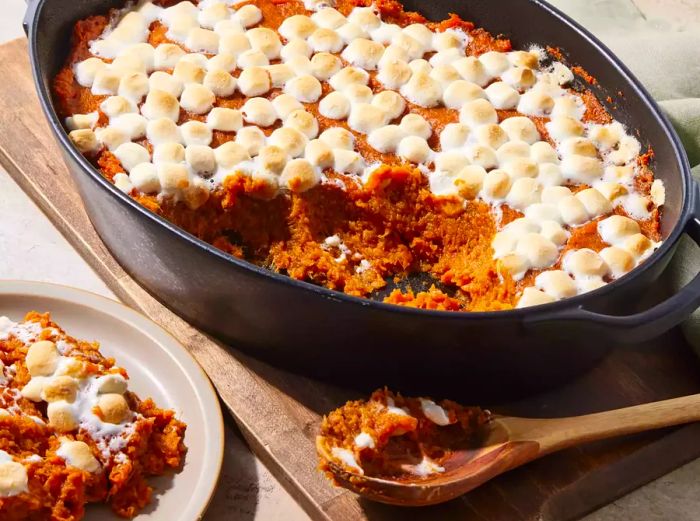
<point x="393" y="222"/>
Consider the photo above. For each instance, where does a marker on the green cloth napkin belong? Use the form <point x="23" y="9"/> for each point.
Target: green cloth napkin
<point x="665" y="56"/>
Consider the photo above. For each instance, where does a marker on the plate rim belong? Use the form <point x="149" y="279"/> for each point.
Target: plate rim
<point x="153" y="330"/>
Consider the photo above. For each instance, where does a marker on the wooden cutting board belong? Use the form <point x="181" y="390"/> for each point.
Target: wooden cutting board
<point x="279" y="412"/>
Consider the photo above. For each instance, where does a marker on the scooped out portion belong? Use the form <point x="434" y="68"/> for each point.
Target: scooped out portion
<point x="395" y="437"/>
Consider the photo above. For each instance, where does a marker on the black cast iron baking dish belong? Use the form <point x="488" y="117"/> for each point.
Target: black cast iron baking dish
<point x="332" y="335"/>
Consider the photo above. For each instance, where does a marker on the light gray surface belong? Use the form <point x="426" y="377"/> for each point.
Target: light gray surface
<point x="248" y="491"/>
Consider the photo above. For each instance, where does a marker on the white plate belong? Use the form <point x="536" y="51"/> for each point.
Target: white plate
<point x="159" y="367"/>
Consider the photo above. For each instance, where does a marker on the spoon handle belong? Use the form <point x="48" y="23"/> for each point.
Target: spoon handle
<point x="560" y="433"/>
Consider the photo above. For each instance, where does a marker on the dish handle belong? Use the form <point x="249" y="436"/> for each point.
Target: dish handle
<point x="646" y="324"/>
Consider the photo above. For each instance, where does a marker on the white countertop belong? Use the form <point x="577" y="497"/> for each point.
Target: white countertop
<point x="248" y="491"/>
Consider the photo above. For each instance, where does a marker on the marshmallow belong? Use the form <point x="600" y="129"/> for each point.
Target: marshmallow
<point x="445" y="75"/>
<point x="347" y="76"/>
<point x="131" y="154"/>
<point x="482" y="156"/>
<point x="365" y="18"/>
<point x="297" y="26"/>
<point x="82" y="121"/>
<point x="616" y="228"/>
<point x="519" y="77"/>
<point x="490" y="135"/>
<point x="266" y="41"/>
<point x="305" y="88"/>
<point x="201" y="159"/>
<point x="513" y="150"/>
<point x="542" y="152"/>
<point x="172" y="176"/>
<point x="166" y="56"/>
<point x="627" y="150"/>
<point x="254" y="81"/>
<point x="42" y="358"/>
<point x="162" y="130"/>
<point x="110" y="137"/>
<point x="556" y="283"/>
<point x="553" y="231"/>
<point x="657" y="192"/>
<point x="61" y="416"/>
<point x="549" y="174"/>
<point x="452" y="161"/>
<point x="87" y="70"/>
<point x="272" y="159"/>
<point x="540" y="212"/>
<point x="233" y="44"/>
<point x="515" y="264"/>
<point x="572" y="210"/>
<point x="414" y="149"/>
<point x="520" y="167"/>
<point x="259" y="111"/>
<point x="447" y="57"/>
<point x="133" y="86"/>
<point x="568" y="106"/>
<point x="477" y="112"/>
<point x="445" y="41"/>
<point x="471" y="70"/>
<point x="501" y="95"/>
<point x="540" y="252"/>
<point x="325" y="40"/>
<point x="535" y="103"/>
<point x="168" y="153"/>
<point x="328" y="17"/>
<point x="534" y="297"/>
<point x="347" y="161"/>
<point x="202" y="40"/>
<point x="299" y="176"/>
<point x="165" y="82"/>
<point x="106" y="82"/>
<point x="554" y="194"/>
<point x="304" y="122"/>
<point x="526" y="59"/>
<point x="113" y="408"/>
<point x="494" y="63"/>
<point x="365" y="118"/>
<point x="188" y="72"/>
<point x="595" y="203"/>
<point x="337" y="137"/>
<point x="196" y="58"/>
<point x="231" y="154"/>
<point x="460" y="92"/>
<point x="390" y="102"/>
<point x="422" y="90"/>
<point x="290" y="140"/>
<point x="279" y="74"/>
<point x="85" y="140"/>
<point x="122" y="182"/>
<point x="196" y="98"/>
<point x="618" y="260"/>
<point x="248" y="15"/>
<point x="225" y="119"/>
<point x="252" y="58"/>
<point x="454" y="135"/>
<point x="195" y="133"/>
<point x="220" y="83"/>
<point x="223" y="61"/>
<point x="469" y="181"/>
<point x="581" y="169"/>
<point x="60" y="388"/>
<point x="213" y="14"/>
<point x="584" y="263"/>
<point x="335" y="106"/>
<point x="351" y="31"/>
<point x="116" y="106"/>
<point x="416" y="125"/>
<point x="160" y="104"/>
<point x="133" y="125"/>
<point x="523" y="192"/>
<point x="324" y="65"/>
<point x="638" y="245"/>
<point x="319" y="154"/>
<point x="78" y="454"/>
<point x="144" y="177"/>
<point x="363" y="53"/>
<point x="385" y="33"/>
<point x="520" y="128"/>
<point x="285" y="104"/>
<point x="560" y="128"/>
<point x="496" y="184"/>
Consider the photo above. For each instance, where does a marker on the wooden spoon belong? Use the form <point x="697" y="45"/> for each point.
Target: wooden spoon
<point x="509" y="443"/>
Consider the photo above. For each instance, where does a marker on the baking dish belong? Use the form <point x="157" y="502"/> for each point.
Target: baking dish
<point x="331" y="334"/>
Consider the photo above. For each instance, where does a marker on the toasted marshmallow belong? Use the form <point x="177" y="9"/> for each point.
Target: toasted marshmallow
<point x="134" y="86"/>
<point x="162" y="130"/>
<point x="319" y="154"/>
<point x="578" y="146"/>
<point x="471" y="70"/>
<point x="569" y="107"/>
<point x="202" y="40"/>
<point x="385" y="33"/>
<point x="160" y="104"/>
<point x="515" y="264"/>
<point x="542" y="152"/>
<point x="86" y="71"/>
<point x="581" y="169"/>
<point x="496" y="185"/>
<point x="572" y="210"/>
<point x="393" y="74"/>
<point x="166" y="56"/>
<point x="540" y="252"/>
<point x="502" y="95"/>
<point x="556" y="283"/>
<point x="365" y="17"/>
<point x="116" y="106"/>
<point x="483" y="156"/>
<point x="390" y="102"/>
<point x="289" y="139"/>
<point x="363" y="53"/>
<point x="110" y="137"/>
<point x="365" y="118"/>
<point x="328" y="17"/>
<point x="299" y="176"/>
<point x="131" y="154"/>
<point x="61" y="416"/>
<point x="549" y="174"/>
<point x="259" y="111"/>
<point x="414" y="149"/>
<point x="252" y="58"/>
<point x="490" y="135"/>
<point x="523" y="192"/>
<point x="357" y="93"/>
<point x="231" y="154"/>
<point x="169" y="153"/>
<point x="606" y="136"/>
<point x="519" y="77"/>
<point x="469" y="181"/>
<point x="78" y="454"/>
<point x="280" y="74"/>
<point x="610" y="191"/>
<point x="248" y="15"/>
<point x="122" y="182"/>
<point x="188" y="72"/>
<point x="454" y="135"/>
<point x="553" y="231"/>
<point x="627" y="150"/>
<point x="197" y="99"/>
<point x="452" y="161"/>
<point x="106" y="82"/>
<point x="446" y="40"/>
<point x="347" y="76"/>
<point x="478" y="112"/>
<point x="638" y="245"/>
<point x="495" y="63"/>
<point x="351" y="31"/>
<point x="233" y="44"/>
<point x="220" y="82"/>
<point x="521" y="167"/>
<point x="337" y="137"/>
<point x="195" y="133"/>
<point x="535" y="103"/>
<point x="657" y="192"/>
<point x="144" y="177"/>
<point x="165" y="82"/>
<point x="254" y="81"/>
<point x="42" y="358"/>
<point x="520" y="128"/>
<point x="595" y="203"/>
<point x="223" y="61"/>
<point x="618" y="260"/>
<point x="225" y="119"/>
<point x="133" y="125"/>
<point x="422" y="90"/>
<point x="561" y="128"/>
<point x="540" y="212"/>
<point x="325" y="40"/>
<point x="584" y="263"/>
<point x="534" y="297"/>
<point x="266" y="41"/>
<point x="113" y="408"/>
<point x="285" y="104"/>
<point x="304" y="122"/>
<point x="82" y="121"/>
<point x="172" y="176"/>
<point x="305" y="88"/>
<point x="60" y="388"/>
<point x="445" y="75"/>
<point x="335" y="106"/>
<point x="513" y="150"/>
<point x="347" y="161"/>
<point x="554" y="194"/>
<point x="272" y="159"/>
<point x="201" y="159"/>
<point x="213" y="14"/>
<point x="616" y="228"/>
<point x="416" y="125"/>
<point x="460" y="92"/>
<point x="297" y="26"/>
<point x="526" y="59"/>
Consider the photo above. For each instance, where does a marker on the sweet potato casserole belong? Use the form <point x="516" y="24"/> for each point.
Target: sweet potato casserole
<point x="350" y="144"/>
<point x="71" y="432"/>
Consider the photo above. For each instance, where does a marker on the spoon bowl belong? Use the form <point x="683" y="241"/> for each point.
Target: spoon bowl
<point x="509" y="442"/>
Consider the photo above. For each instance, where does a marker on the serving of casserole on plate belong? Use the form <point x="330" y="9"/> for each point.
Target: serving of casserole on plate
<point x="353" y="144"/>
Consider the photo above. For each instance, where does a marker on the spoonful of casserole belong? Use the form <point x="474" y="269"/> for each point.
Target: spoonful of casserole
<point x="416" y="451"/>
